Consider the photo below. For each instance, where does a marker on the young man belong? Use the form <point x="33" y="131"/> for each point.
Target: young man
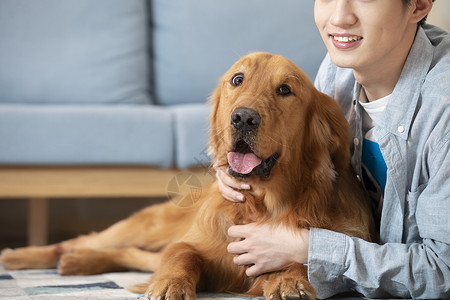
<point x="391" y="77"/>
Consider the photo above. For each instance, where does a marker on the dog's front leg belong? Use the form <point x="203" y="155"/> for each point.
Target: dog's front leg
<point x="178" y="274"/>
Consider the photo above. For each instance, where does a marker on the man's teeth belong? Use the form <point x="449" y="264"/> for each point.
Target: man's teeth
<point x="346" y="39"/>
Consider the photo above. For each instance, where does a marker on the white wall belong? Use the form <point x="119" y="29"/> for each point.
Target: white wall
<point x="439" y="15"/>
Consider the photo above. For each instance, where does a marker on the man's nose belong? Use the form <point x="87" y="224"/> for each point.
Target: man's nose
<point x="343" y="14"/>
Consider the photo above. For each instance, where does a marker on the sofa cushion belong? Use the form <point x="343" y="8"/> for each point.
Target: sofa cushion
<point x="196" y="41"/>
<point x="191" y="135"/>
<point x="86" y="134"/>
<point x="74" y="51"/>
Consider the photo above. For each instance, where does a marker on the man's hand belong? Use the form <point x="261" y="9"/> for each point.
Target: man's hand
<point x="228" y="186"/>
<point x="267" y="248"/>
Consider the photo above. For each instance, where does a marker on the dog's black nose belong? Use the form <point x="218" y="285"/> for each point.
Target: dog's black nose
<point x="245" y="119"/>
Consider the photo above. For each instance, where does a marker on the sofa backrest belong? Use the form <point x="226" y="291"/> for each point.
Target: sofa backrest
<point x="99" y="51"/>
<point x="74" y="52"/>
<point x="196" y="41"/>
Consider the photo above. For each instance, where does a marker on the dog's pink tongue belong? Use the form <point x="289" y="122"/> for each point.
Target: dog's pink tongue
<point x="243" y="163"/>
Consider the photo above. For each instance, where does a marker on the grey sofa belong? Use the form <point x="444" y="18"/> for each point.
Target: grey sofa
<point x="125" y="82"/>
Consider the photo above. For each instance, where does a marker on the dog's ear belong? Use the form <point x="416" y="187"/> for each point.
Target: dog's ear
<point x="214" y="135"/>
<point x="329" y="133"/>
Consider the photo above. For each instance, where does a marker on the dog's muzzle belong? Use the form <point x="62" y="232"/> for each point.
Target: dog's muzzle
<point x="243" y="162"/>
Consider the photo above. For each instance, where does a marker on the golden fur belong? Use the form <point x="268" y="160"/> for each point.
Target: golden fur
<point x="310" y="185"/>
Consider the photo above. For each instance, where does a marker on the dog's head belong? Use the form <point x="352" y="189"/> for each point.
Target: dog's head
<point x="267" y="116"/>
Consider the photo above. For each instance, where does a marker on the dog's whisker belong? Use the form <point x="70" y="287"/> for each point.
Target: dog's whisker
<point x="278" y="142"/>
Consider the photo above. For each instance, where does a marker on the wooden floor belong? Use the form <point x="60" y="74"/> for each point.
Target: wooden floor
<point x="41" y="183"/>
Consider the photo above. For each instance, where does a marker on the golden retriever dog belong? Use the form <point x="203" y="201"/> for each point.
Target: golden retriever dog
<point x="273" y="130"/>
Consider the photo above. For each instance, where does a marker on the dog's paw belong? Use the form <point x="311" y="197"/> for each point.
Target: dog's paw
<point x="11" y="260"/>
<point x="288" y="288"/>
<point x="72" y="263"/>
<point x="29" y="258"/>
<point x="84" y="262"/>
<point x="171" y="289"/>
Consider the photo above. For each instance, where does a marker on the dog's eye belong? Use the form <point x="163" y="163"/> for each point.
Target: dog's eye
<point x="284" y="90"/>
<point x="237" y="79"/>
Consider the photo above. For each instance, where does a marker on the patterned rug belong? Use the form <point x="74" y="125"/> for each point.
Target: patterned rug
<point x="47" y="284"/>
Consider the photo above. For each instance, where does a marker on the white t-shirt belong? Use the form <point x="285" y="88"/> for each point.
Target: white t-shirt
<point x="372" y="113"/>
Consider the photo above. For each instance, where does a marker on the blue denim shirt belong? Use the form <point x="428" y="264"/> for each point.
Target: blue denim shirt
<point x="413" y="258"/>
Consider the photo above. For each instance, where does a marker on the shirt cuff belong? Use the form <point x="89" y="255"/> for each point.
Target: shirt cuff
<point x="326" y="258"/>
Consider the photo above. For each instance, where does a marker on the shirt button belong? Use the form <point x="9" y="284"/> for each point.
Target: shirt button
<point x="401" y="129"/>
<point x="355" y="141"/>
